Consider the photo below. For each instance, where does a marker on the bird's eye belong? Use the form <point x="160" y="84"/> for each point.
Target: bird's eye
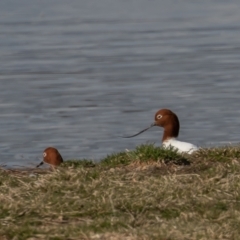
<point x="159" y="116"/>
<point x="44" y="154"/>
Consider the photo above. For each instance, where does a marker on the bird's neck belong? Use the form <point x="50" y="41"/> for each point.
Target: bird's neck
<point x="170" y="131"/>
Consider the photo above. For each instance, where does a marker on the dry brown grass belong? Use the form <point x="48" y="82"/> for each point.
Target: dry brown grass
<point x="133" y="199"/>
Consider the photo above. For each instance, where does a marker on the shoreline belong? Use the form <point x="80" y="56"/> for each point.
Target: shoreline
<point x="146" y="193"/>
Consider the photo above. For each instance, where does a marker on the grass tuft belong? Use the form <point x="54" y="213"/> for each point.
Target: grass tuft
<point x="116" y="159"/>
<point x="151" y="153"/>
<point x="145" y="154"/>
<point x="78" y="163"/>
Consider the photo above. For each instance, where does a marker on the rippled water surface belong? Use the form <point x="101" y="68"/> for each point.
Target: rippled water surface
<point x="77" y="74"/>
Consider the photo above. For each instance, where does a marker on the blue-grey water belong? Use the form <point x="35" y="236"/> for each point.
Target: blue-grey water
<point x="77" y="74"/>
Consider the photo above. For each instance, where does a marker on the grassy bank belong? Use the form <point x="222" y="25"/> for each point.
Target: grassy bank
<point x="147" y="193"/>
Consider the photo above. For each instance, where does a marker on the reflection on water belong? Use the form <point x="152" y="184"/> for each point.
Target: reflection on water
<point x="76" y="76"/>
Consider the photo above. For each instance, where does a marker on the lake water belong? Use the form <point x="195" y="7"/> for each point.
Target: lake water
<point x="77" y="74"/>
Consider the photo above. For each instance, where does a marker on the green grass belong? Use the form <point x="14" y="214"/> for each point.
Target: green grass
<point x="147" y="193"/>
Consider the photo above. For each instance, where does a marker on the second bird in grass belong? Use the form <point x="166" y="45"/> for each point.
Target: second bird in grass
<point x="52" y="157"/>
<point x="169" y="121"/>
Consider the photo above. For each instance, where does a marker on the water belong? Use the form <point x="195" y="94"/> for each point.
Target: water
<point x="77" y="74"/>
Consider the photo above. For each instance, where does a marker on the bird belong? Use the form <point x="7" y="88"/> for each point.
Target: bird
<point x="52" y="157"/>
<point x="168" y="120"/>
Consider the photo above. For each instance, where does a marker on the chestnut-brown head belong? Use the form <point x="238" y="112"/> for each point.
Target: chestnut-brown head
<point x="51" y="156"/>
<point x="169" y="121"/>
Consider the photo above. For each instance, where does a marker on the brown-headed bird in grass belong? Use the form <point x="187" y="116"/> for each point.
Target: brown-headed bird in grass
<point x="52" y="157"/>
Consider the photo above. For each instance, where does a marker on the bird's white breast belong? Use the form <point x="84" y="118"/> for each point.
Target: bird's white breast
<point x="180" y="146"/>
